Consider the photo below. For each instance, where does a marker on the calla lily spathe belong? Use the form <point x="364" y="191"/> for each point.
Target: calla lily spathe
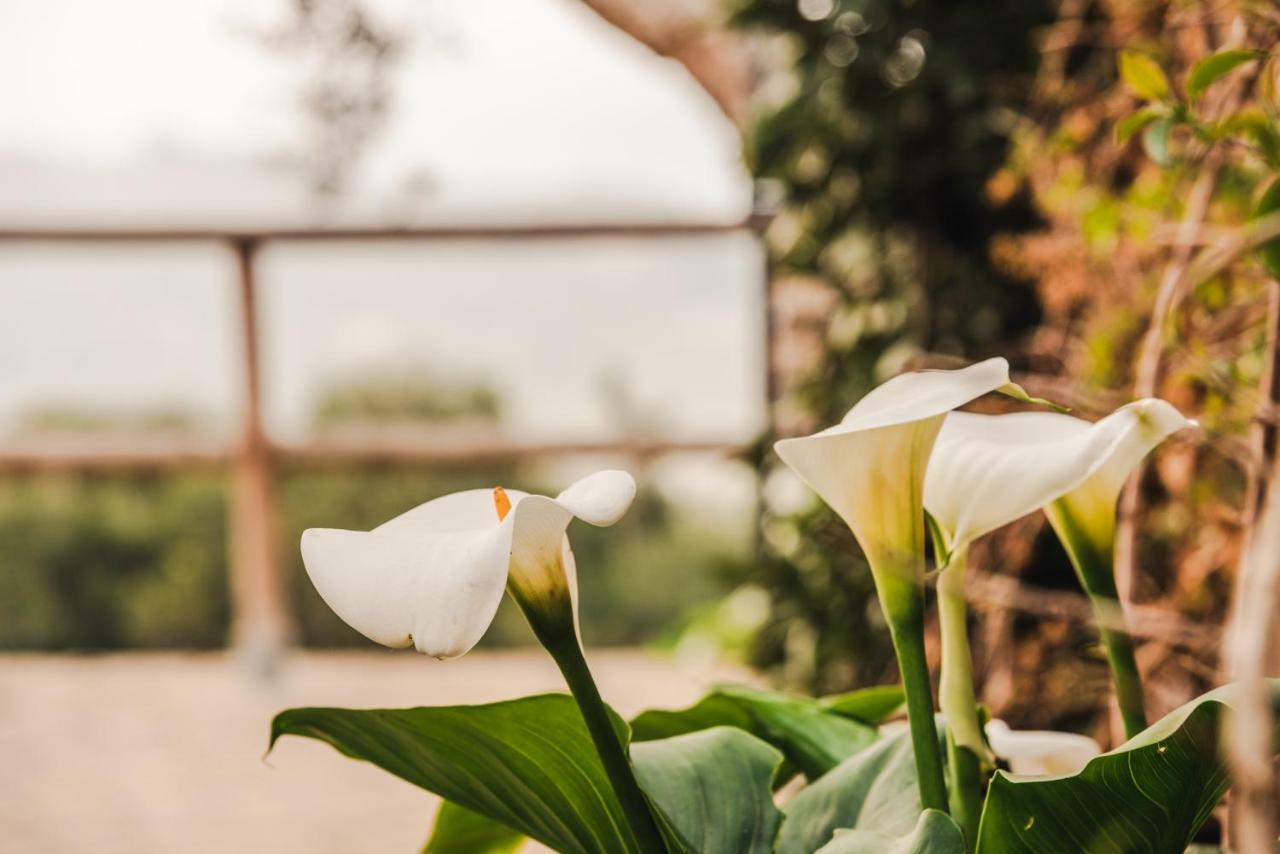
<point x="433" y="577"/>
<point x="870" y="467"/>
<point x="988" y="470"/>
<point x="1041" y="752"/>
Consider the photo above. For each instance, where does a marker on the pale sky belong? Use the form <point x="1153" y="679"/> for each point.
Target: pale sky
<point x="520" y="110"/>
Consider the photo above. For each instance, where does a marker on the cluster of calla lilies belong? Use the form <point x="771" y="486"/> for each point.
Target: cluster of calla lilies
<point x="902" y="468"/>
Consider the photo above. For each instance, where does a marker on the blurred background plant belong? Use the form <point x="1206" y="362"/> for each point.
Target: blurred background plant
<point x="1035" y="183"/>
<point x="883" y="135"/>
<point x="125" y="560"/>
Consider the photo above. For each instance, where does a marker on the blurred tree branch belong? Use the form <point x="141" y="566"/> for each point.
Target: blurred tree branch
<point x="692" y="34"/>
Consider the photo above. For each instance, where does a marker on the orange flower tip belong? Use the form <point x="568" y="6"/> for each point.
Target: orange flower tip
<point x="501" y="502"/>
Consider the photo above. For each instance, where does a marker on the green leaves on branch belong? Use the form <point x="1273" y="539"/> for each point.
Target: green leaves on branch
<point x="1269" y="252"/>
<point x="1135" y="122"/>
<point x="1151" y="794"/>
<point x="1214" y="67"/>
<point x="1144" y="76"/>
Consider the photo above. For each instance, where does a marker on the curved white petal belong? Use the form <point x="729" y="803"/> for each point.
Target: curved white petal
<point x="988" y="470"/>
<point x="1151" y="421"/>
<point x="1041" y="752"/>
<point x="470" y="510"/>
<point x="922" y="394"/>
<point x="601" y="498"/>
<point x="436" y="591"/>
<point x="433" y="576"/>
<point x="870" y="468"/>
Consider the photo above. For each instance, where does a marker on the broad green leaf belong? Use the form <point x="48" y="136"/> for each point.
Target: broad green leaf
<point x="1155" y="141"/>
<point x="714" y="789"/>
<point x="1214" y="67"/>
<point x="1150" y="794"/>
<point x="1135" y="122"/>
<point x="528" y="764"/>
<point x="934" y="833"/>
<point x="871" y="706"/>
<point x="458" y="830"/>
<point x="874" y="790"/>
<point x="811" y="737"/>
<point x="1143" y="75"/>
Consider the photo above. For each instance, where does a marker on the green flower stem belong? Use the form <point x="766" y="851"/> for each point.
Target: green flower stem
<point x="966" y="749"/>
<point x="1092" y="560"/>
<point x="568" y="656"/>
<point x="902" y="599"/>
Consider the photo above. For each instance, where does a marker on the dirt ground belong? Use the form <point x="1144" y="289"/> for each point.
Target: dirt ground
<point x="140" y="753"/>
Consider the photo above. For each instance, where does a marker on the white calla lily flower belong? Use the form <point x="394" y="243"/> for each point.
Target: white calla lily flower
<point x="988" y="470"/>
<point x="1041" y="752"/>
<point x="433" y="577"/>
<point x="870" y="467"/>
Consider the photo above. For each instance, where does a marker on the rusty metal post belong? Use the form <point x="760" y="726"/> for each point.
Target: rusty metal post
<point x="261" y="623"/>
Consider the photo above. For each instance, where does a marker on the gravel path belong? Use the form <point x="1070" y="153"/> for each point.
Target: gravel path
<point x="140" y="753"/>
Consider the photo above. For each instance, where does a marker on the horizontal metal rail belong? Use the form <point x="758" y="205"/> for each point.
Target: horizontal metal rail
<point x="444" y="232"/>
<point x="140" y="453"/>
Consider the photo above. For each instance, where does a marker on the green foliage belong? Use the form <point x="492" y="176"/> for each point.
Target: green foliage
<point x="1135" y="122"/>
<point x="934" y="833"/>
<point x="1215" y="66"/>
<point x="112" y="561"/>
<point x="530" y="766"/>
<point x="810" y="735"/>
<point x="872" y="705"/>
<point x="458" y="830"/>
<point x="530" y="763"/>
<point x="118" y="561"/>
<point x="714" y="789"/>
<point x="872" y="790"/>
<point x="895" y="123"/>
<point x="1151" y="794"/>
<point x="1144" y="76"/>
<point x="405" y="396"/>
<point x="1269" y="253"/>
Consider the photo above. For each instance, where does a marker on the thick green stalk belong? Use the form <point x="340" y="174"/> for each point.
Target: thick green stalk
<point x="966" y="748"/>
<point x="964" y="776"/>
<point x="1092" y="560"/>
<point x="573" y="664"/>
<point x="550" y="615"/>
<point x="903" y="602"/>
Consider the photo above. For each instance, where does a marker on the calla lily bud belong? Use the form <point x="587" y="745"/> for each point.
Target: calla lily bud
<point x="433" y="577"/>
